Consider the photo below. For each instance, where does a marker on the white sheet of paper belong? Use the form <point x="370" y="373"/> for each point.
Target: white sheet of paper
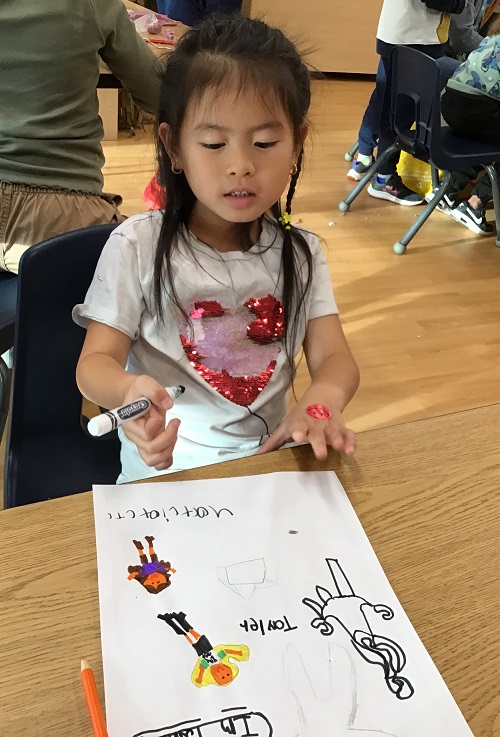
<point x="246" y="553"/>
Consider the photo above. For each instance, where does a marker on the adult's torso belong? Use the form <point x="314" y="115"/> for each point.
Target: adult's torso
<point x="50" y="130"/>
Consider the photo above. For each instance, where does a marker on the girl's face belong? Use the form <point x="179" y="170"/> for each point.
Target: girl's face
<point x="237" y="153"/>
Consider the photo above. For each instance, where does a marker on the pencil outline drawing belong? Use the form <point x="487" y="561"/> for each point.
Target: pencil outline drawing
<point x="245" y="577"/>
<point x="331" y="701"/>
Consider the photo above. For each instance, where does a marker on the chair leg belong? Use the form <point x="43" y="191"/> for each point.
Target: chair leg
<point x="352" y="152"/>
<point x="435" y="176"/>
<point x="492" y="173"/>
<point x="400" y="246"/>
<point x="346" y="202"/>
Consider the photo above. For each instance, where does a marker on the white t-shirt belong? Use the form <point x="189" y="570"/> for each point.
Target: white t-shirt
<point x="231" y="362"/>
<point x="411" y="22"/>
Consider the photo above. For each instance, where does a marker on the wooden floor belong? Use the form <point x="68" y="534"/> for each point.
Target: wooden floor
<point x="424" y="327"/>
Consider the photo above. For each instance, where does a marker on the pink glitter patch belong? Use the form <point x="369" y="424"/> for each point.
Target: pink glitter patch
<point x="232" y="352"/>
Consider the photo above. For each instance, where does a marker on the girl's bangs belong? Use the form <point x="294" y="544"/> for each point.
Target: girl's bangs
<point x="217" y="74"/>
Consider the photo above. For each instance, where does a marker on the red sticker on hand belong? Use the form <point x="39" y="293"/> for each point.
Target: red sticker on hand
<point x="319" y="412"/>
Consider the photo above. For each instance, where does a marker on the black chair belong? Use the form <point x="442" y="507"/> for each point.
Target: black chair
<point x="412" y="96"/>
<point x="8" y="298"/>
<point x="49" y="454"/>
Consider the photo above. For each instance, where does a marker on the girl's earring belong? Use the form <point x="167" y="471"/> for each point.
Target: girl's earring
<point x="174" y="168"/>
<point x="294" y="170"/>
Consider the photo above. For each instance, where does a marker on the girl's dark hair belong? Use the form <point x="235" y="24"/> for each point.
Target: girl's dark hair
<point x="211" y="56"/>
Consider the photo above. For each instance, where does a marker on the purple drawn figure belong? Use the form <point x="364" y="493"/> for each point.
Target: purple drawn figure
<point x="349" y="611"/>
<point x="154" y="575"/>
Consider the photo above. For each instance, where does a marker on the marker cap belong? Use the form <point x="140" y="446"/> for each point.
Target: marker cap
<point x="100" y="425"/>
<point x="175" y="391"/>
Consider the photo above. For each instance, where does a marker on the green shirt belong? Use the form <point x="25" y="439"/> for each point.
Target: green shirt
<point x="50" y="130"/>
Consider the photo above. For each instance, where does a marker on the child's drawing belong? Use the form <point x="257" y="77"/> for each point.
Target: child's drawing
<point x="214" y="666"/>
<point x="243" y="724"/>
<point x="314" y="696"/>
<point x="350" y="612"/>
<point x="257" y="575"/>
<point x="243" y="578"/>
<point x="154" y="575"/>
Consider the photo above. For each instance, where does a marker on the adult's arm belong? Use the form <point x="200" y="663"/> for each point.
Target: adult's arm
<point x="127" y="55"/>
<point x="445" y="6"/>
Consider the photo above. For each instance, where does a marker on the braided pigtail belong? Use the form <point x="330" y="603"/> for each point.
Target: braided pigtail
<point x="296" y="280"/>
<point x="293" y="184"/>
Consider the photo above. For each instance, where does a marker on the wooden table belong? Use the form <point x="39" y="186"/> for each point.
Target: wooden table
<point x="428" y="496"/>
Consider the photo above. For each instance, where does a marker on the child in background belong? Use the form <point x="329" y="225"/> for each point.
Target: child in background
<point x="422" y="25"/>
<point x="220" y="291"/>
<point x="471" y="106"/>
<point x="464" y="37"/>
<point x="369" y="129"/>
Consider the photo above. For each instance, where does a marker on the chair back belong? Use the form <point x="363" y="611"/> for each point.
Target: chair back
<point x="412" y="102"/>
<point x="48" y="452"/>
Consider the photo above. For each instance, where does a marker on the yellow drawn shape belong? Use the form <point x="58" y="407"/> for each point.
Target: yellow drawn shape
<point x="222" y="673"/>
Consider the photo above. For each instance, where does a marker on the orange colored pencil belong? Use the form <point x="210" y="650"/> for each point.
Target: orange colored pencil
<point x="90" y="689"/>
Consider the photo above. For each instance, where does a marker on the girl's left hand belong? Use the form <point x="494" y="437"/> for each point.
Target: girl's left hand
<point x="320" y="434"/>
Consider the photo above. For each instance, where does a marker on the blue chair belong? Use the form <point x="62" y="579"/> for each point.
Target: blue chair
<point x="412" y="95"/>
<point x="447" y="67"/>
<point x="49" y="454"/>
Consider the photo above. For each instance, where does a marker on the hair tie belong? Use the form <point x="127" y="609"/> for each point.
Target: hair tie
<point x="285" y="220"/>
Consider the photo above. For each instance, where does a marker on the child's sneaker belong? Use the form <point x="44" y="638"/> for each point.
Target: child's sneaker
<point x="473" y="218"/>
<point x="358" y="170"/>
<point x="395" y="191"/>
<point x="446" y="203"/>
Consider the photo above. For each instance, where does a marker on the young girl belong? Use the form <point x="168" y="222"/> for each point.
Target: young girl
<point x="220" y="291"/>
<point x="421" y="25"/>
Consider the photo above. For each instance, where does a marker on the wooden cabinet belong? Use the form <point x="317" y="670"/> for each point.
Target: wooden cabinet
<point x="339" y="33"/>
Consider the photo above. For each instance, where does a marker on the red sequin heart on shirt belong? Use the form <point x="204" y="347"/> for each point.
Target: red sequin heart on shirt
<point x="233" y="353"/>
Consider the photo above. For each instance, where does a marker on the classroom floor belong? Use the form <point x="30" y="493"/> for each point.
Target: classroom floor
<point x="424" y="327"/>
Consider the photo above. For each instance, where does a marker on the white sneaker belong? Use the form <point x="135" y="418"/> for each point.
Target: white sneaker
<point x="446" y="203"/>
<point x="358" y="170"/>
<point x="472" y="218"/>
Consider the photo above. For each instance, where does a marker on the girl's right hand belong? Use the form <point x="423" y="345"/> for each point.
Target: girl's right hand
<point x="154" y="441"/>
